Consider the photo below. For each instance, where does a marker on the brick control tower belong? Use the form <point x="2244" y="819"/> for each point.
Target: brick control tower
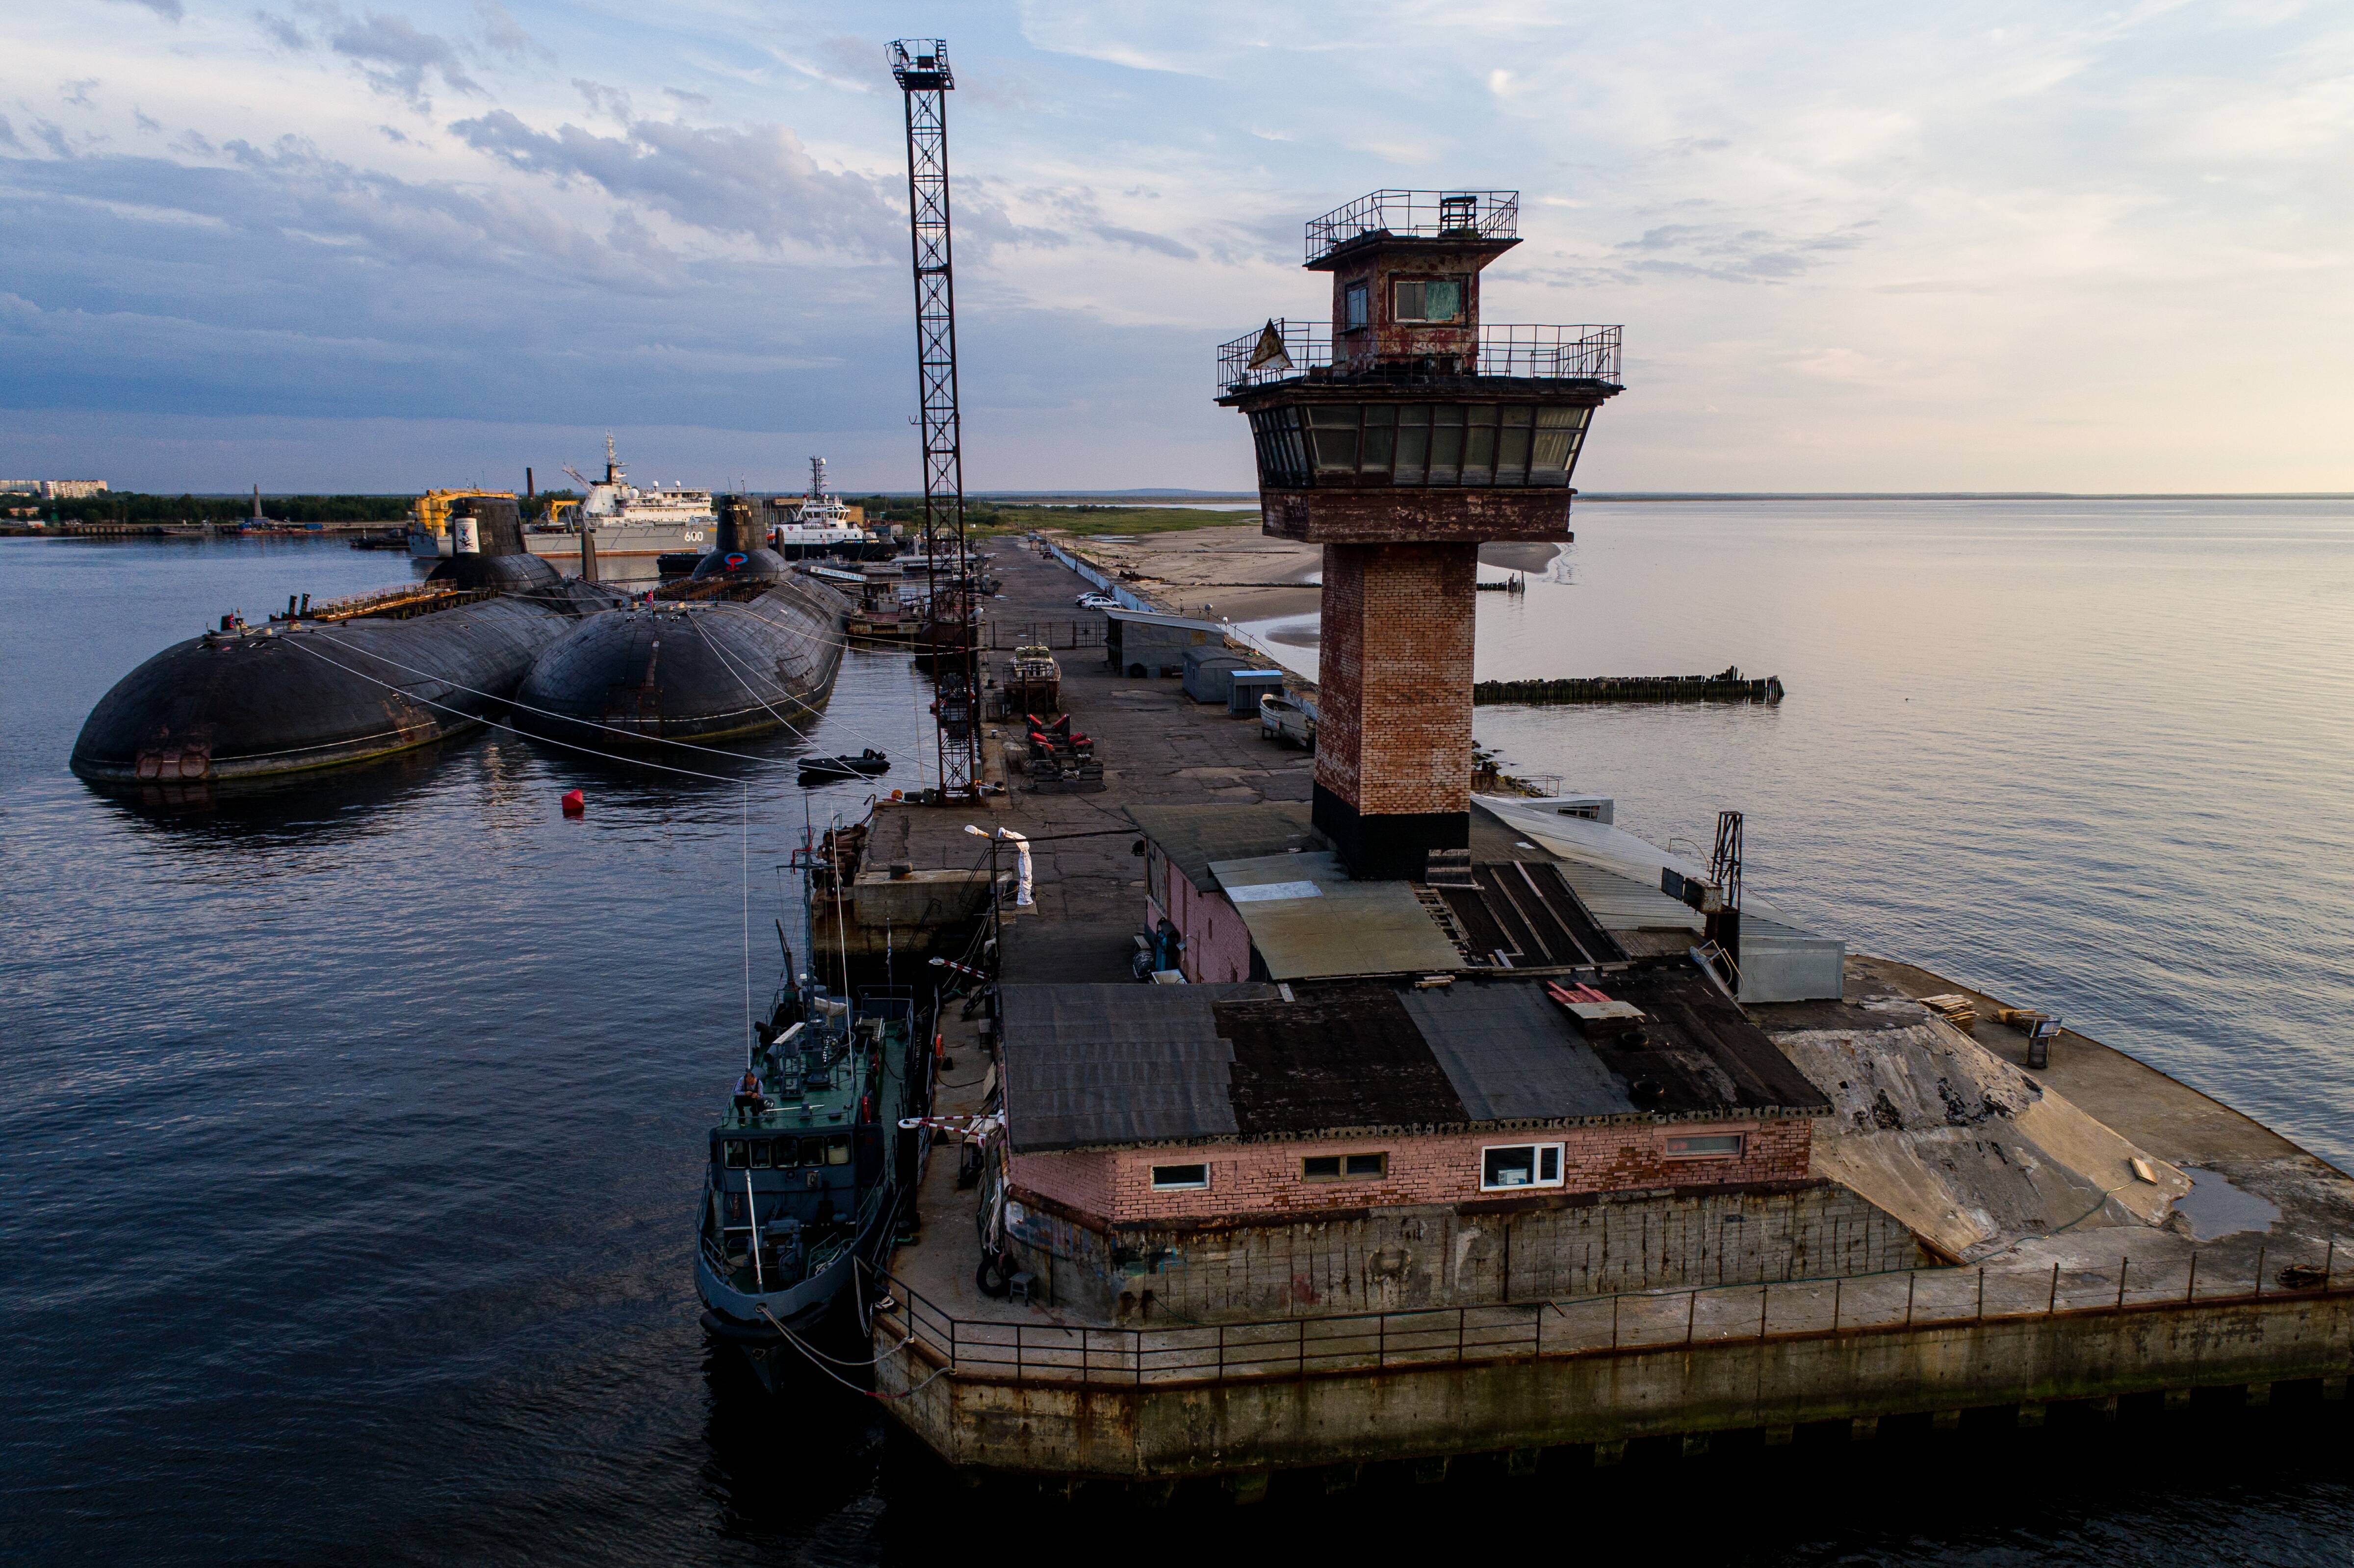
<point x="1400" y="437"/>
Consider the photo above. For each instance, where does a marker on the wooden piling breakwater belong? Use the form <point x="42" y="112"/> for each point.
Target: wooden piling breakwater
<point x="1728" y="685"/>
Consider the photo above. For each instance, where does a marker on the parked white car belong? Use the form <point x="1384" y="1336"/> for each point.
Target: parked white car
<point x="1282" y="719"/>
<point x="1097" y="601"/>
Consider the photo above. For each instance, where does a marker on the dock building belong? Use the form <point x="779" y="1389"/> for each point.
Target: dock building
<point x="1446" y="1128"/>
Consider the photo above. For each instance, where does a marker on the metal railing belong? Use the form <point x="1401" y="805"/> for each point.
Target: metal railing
<point x="1417" y="215"/>
<point x="1060" y="636"/>
<point x="1621" y="1324"/>
<point x="1289" y="350"/>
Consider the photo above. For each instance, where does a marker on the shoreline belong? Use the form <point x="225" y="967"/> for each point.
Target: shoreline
<point x="1233" y="571"/>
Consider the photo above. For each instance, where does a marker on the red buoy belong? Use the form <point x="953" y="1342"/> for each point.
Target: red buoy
<point x="574" y="803"/>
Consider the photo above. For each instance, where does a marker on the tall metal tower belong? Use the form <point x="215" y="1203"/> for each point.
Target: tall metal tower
<point x="922" y="68"/>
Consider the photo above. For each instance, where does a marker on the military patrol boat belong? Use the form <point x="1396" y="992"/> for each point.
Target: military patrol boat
<point x="807" y="1168"/>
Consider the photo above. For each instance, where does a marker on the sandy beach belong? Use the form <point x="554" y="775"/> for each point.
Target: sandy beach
<point x="1234" y="571"/>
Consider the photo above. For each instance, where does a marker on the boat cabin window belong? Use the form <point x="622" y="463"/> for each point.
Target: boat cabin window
<point x="1171" y="1177"/>
<point x="1519" y="1165"/>
<point x="812" y="1151"/>
<point x="759" y="1154"/>
<point x="732" y="1153"/>
<point x="837" y="1150"/>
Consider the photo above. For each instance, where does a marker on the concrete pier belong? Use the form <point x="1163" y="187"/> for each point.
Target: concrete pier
<point x="2059" y="1328"/>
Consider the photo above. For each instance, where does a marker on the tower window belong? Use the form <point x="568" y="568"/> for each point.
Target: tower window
<point x="1427" y="300"/>
<point x="1352" y="307"/>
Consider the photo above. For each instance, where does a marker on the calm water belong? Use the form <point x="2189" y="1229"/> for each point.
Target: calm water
<point x="348" y="1139"/>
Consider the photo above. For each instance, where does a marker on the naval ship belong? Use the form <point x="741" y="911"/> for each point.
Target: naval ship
<point x="823" y="526"/>
<point x="626" y="523"/>
<point x="807" y="1164"/>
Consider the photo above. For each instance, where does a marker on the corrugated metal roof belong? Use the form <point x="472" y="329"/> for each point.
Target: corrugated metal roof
<point x="1149" y="619"/>
<point x="1117" y="1063"/>
<point x="1512" y="1054"/>
<point x="1622" y="904"/>
<point x="1346" y="928"/>
<point x="1194" y="836"/>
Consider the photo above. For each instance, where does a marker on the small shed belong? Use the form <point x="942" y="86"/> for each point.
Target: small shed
<point x="1209" y="673"/>
<point x="1140" y="643"/>
<point x="1246" y="687"/>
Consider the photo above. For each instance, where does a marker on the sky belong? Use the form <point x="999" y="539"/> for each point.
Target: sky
<point x="333" y="244"/>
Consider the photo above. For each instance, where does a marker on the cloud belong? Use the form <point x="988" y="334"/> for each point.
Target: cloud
<point x="8" y="137"/>
<point x="1159" y="244"/>
<point x="503" y="36"/>
<point x="395" y="57"/>
<point x="77" y="92"/>
<point x="283" y="31"/>
<point x="1732" y="254"/>
<point x="756" y="181"/>
<point x="611" y="101"/>
<point x="170" y="10"/>
<point x="139" y="118"/>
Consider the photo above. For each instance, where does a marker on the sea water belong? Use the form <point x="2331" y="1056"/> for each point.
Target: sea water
<point x="349" y="1137"/>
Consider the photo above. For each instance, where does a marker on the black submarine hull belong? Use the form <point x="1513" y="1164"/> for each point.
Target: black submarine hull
<point x="287" y="699"/>
<point x="688" y="668"/>
<point x="254" y="703"/>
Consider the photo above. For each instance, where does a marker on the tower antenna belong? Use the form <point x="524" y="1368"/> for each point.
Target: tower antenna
<point x="922" y="68"/>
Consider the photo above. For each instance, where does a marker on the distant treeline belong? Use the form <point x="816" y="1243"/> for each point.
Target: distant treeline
<point x="131" y="506"/>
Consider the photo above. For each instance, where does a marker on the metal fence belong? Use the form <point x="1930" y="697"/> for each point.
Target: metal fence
<point x="1059" y="635"/>
<point x="1044" y="1350"/>
<point x="1418" y="215"/>
<point x="1291" y="350"/>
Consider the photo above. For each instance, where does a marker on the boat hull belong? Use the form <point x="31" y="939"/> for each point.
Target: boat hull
<point x="688" y="670"/>
<point x="234" y="707"/>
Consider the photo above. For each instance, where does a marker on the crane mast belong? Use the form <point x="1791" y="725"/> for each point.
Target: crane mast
<point x="920" y="65"/>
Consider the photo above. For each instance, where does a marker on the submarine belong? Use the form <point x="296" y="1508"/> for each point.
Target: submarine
<point x="347" y="681"/>
<point x="743" y="646"/>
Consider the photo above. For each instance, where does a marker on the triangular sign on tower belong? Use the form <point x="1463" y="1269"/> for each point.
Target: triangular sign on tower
<point x="1270" y="350"/>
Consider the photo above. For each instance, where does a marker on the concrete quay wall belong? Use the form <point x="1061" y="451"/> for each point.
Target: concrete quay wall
<point x="1399" y="1257"/>
<point x="1248" y="1426"/>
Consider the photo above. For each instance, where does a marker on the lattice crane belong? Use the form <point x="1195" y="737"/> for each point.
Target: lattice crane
<point x="920" y="65"/>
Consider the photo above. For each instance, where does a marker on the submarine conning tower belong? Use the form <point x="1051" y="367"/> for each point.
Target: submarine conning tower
<point x="1401" y="437"/>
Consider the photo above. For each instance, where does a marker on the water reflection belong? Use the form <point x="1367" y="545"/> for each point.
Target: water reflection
<point x="780" y="1465"/>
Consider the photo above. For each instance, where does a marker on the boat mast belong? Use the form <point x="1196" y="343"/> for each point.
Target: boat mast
<point x="922" y="68"/>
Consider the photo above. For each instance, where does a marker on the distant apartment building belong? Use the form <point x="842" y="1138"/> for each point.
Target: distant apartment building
<point x="54" y="489"/>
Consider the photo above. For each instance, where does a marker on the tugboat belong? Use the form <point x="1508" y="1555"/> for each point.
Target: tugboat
<point x="807" y="1164"/>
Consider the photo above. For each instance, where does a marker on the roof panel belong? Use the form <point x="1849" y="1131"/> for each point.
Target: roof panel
<point x="1511" y="1053"/>
<point x="1116" y="1063"/>
<point x="1345" y="928"/>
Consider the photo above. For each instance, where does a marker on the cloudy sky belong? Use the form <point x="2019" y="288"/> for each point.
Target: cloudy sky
<point x="337" y="243"/>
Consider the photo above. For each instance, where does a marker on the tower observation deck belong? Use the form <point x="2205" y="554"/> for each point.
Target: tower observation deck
<point x="1401" y="435"/>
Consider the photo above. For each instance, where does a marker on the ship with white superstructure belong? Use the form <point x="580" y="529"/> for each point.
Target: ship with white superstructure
<point x="629" y="528"/>
<point x="822" y="526"/>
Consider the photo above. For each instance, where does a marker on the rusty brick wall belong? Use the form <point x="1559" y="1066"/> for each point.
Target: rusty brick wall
<point x="1331" y="514"/>
<point x="1259" y="1179"/>
<point x="1393" y="736"/>
<point x="1079" y="1182"/>
<point x="1217" y="943"/>
<point x="1459" y="1255"/>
